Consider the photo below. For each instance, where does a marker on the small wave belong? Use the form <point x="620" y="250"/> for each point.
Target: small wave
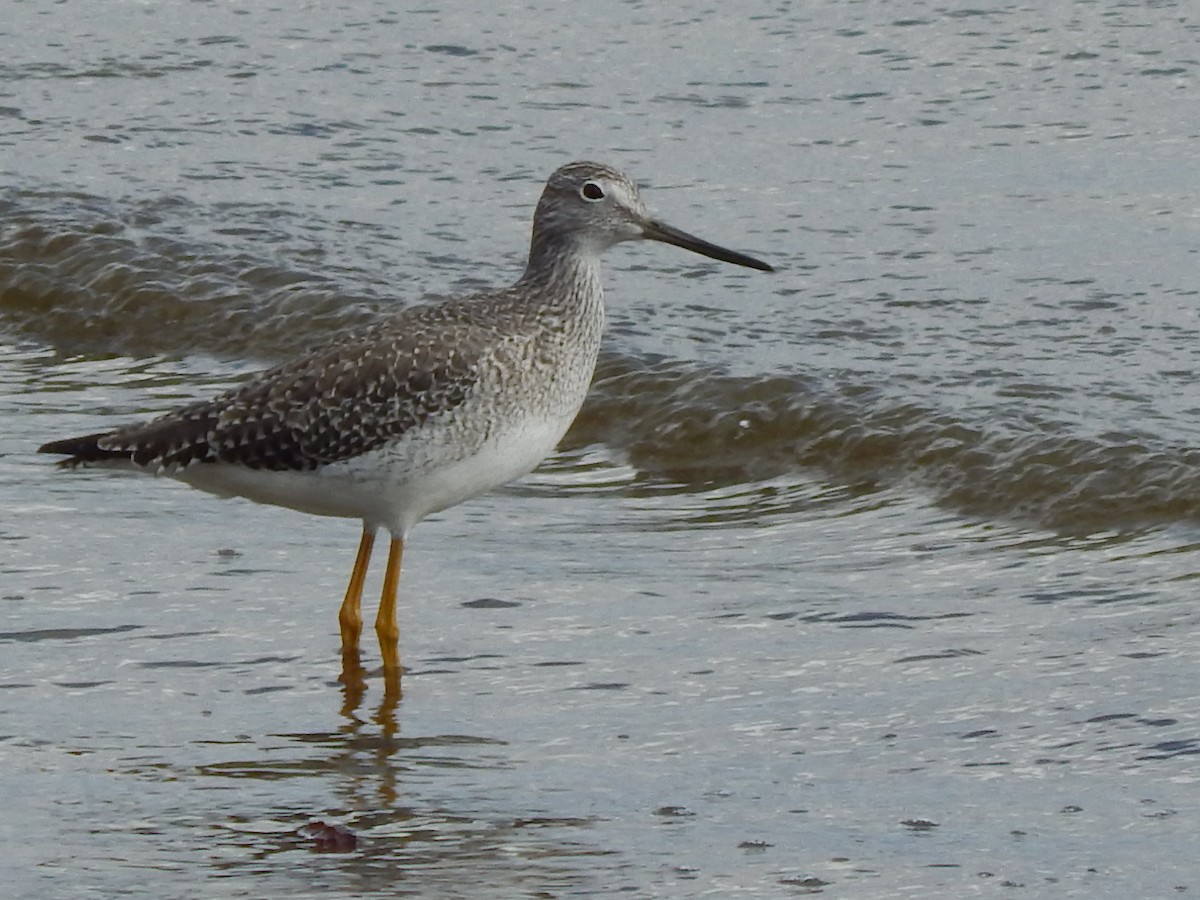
<point x="681" y="424"/>
<point x="88" y="279"/>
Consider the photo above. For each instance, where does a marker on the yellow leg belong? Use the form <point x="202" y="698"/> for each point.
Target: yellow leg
<point x="350" y="615"/>
<point x="386" y="627"/>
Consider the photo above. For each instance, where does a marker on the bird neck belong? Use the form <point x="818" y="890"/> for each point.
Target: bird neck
<point x="562" y="270"/>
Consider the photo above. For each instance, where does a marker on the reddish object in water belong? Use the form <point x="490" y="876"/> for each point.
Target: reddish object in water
<point x="330" y="838"/>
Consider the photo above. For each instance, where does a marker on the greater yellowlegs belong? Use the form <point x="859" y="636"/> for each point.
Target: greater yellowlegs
<point x="418" y="411"/>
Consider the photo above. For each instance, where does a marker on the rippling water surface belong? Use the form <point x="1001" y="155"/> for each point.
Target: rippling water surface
<point x="875" y="577"/>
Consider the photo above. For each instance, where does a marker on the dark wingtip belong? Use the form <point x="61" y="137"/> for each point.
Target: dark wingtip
<point x="81" y="449"/>
<point x="69" y="446"/>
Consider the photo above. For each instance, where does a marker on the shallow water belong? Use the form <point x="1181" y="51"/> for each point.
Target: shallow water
<point x="871" y="578"/>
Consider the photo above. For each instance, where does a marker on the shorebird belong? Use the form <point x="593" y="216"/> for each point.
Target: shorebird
<point x="420" y="410"/>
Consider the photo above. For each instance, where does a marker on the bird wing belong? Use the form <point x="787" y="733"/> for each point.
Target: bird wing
<point x="345" y="400"/>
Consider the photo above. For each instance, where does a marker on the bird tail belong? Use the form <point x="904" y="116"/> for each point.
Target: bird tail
<point x="84" y="451"/>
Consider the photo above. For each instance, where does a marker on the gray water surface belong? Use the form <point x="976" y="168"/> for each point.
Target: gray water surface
<point x="873" y="578"/>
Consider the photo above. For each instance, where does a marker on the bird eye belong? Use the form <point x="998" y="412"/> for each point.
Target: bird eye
<point x="591" y="191"/>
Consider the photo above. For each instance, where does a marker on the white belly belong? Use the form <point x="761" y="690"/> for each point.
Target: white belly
<point x="393" y="487"/>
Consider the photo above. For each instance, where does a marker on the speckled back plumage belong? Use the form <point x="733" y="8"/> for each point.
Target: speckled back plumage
<point x="332" y="405"/>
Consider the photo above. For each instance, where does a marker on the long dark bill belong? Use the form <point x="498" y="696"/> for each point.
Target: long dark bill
<point x="660" y="231"/>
